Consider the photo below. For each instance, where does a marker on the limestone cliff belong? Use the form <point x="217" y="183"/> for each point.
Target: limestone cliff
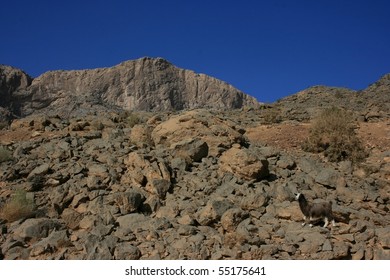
<point x="150" y="84"/>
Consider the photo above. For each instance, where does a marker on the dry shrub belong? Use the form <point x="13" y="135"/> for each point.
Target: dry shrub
<point x="5" y="154"/>
<point x="133" y="119"/>
<point x="333" y="133"/>
<point x="271" y="115"/>
<point x="20" y="206"/>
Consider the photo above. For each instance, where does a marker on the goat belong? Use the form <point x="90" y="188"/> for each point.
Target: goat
<point x="315" y="211"/>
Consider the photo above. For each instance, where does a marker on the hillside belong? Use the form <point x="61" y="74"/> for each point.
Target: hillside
<point x="196" y="184"/>
<point x="369" y="104"/>
<point x="100" y="164"/>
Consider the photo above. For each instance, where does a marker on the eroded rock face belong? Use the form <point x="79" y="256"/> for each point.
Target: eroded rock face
<point x="145" y="84"/>
<point x="12" y="80"/>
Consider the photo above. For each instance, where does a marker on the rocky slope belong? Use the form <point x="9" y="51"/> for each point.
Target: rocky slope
<point x="145" y="84"/>
<point x="188" y="185"/>
<point x="369" y="104"/>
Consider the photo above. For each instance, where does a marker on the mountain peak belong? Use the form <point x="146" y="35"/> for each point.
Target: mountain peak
<point x="150" y="84"/>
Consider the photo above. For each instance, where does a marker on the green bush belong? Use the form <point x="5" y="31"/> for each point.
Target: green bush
<point x="333" y="133"/>
<point x="18" y="207"/>
<point x="5" y="154"/>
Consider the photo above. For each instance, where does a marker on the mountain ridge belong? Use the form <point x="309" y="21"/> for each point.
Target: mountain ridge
<point x="154" y="84"/>
<point x="148" y="84"/>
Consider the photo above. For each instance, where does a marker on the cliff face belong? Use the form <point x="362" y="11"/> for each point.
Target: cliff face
<point x="11" y="80"/>
<point x="145" y="84"/>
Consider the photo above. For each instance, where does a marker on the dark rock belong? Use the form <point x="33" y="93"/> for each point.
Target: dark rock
<point x="213" y="211"/>
<point x="383" y="235"/>
<point x="33" y="229"/>
<point x="341" y="250"/>
<point x="126" y="251"/>
<point x="191" y="150"/>
<point x="328" y="177"/>
<point x="159" y="187"/>
<point x="50" y="244"/>
<point x="231" y="218"/>
<point x="97" y="248"/>
<point x="254" y="200"/>
<point x="71" y="218"/>
<point x="128" y="202"/>
<point x="247" y="232"/>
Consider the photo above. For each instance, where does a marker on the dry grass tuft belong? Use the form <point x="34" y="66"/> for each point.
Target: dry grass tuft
<point x="18" y="207"/>
<point x="5" y="154"/>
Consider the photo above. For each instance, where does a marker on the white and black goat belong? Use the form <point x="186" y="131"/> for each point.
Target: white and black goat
<point x="315" y="211"/>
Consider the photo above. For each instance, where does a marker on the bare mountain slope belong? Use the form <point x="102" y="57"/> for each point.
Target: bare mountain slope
<point x="368" y="104"/>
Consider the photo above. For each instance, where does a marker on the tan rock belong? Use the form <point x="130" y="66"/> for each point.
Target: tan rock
<point x="197" y="124"/>
<point x="243" y="163"/>
<point x="141" y="135"/>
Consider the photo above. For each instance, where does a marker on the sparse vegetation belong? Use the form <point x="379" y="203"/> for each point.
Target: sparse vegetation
<point x="333" y="133"/>
<point x="5" y="154"/>
<point x="18" y="207"/>
<point x="133" y="119"/>
<point x="271" y="115"/>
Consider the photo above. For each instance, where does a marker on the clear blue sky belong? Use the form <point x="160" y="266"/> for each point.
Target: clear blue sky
<point x="268" y="49"/>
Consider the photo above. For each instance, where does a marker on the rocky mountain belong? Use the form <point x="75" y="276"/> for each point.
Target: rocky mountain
<point x="368" y="104"/>
<point x="188" y="184"/>
<point x="184" y="185"/>
<point x="149" y="84"/>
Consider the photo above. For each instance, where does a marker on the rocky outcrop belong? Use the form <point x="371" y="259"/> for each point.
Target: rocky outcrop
<point x="148" y="84"/>
<point x="11" y="81"/>
<point x="196" y="189"/>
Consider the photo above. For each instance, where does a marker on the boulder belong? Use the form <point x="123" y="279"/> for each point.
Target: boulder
<point x="330" y="178"/>
<point x="71" y="218"/>
<point x="383" y="235"/>
<point x="33" y="229"/>
<point x="98" y="248"/>
<point x="190" y="150"/>
<point x="159" y="187"/>
<point x="248" y="233"/>
<point x="55" y="241"/>
<point x="254" y="200"/>
<point x="197" y="124"/>
<point x="134" y="221"/>
<point x="244" y="164"/>
<point x="140" y="135"/>
<point x="128" y="202"/>
<point x="39" y="170"/>
<point x="213" y="211"/>
<point x="231" y="218"/>
<point x="142" y="169"/>
<point x="312" y="242"/>
<point x="126" y="251"/>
